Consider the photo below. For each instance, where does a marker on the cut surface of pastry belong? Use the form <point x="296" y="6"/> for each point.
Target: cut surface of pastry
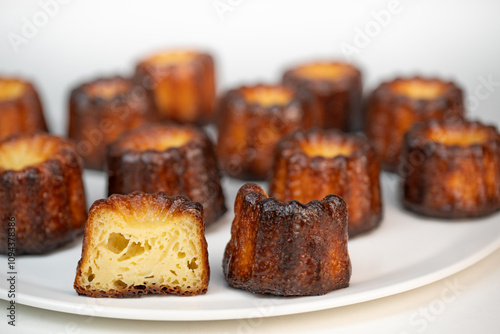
<point x="180" y="85"/>
<point x="101" y="110"/>
<point x="177" y="159"/>
<point x="287" y="249"/>
<point x="336" y="89"/>
<point x="143" y="243"/>
<point x="396" y="105"/>
<point x="451" y="169"/>
<point x="251" y="120"/>
<point x="20" y="108"/>
<point x="311" y="164"/>
<point x="41" y="188"/>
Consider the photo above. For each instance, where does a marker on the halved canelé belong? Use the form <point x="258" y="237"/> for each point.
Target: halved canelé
<point x="180" y="85"/>
<point x="309" y="165"/>
<point x="20" y="108"/>
<point x="451" y="169"/>
<point x="177" y="159"/>
<point x="102" y="109"/>
<point x="287" y="249"/>
<point x="143" y="244"/>
<point x="396" y="105"/>
<point x="251" y="121"/>
<point x="41" y="188"/>
<point x="336" y="88"/>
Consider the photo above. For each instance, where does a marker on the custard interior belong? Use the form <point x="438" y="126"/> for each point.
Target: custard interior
<point x="267" y="95"/>
<point x="11" y="89"/>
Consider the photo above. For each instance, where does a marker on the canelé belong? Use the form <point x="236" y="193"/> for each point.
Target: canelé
<point x="180" y="85"/>
<point x="41" y="192"/>
<point x="177" y="159"/>
<point x="251" y="120"/>
<point x="336" y="88"/>
<point x="20" y="108"/>
<point x="309" y="165"/>
<point x="287" y="249"/>
<point x="100" y="110"/>
<point x="451" y="169"/>
<point x="395" y="106"/>
<point x="143" y="244"/>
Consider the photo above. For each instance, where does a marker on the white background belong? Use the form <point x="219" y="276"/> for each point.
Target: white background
<point x="256" y="41"/>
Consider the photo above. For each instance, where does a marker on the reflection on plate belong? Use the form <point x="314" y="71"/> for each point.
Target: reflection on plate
<point x="404" y="253"/>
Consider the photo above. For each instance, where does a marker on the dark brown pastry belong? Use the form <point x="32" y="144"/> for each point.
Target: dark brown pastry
<point x="180" y="85"/>
<point x="336" y="88"/>
<point x="20" y="108"/>
<point x="309" y="165"/>
<point x="395" y="106"/>
<point x="177" y="159"/>
<point x="143" y="244"/>
<point x="251" y="120"/>
<point x="41" y="188"/>
<point x="451" y="169"/>
<point x="287" y="249"/>
<point x="99" y="111"/>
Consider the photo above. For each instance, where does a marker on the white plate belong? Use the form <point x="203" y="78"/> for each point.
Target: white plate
<point x="404" y="253"/>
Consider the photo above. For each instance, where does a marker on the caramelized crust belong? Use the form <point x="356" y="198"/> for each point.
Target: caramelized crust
<point x="309" y="165"/>
<point x="287" y="249"/>
<point x="451" y="169"/>
<point x="100" y="111"/>
<point x="143" y="244"/>
<point x="41" y="187"/>
<point x="398" y="104"/>
<point x="177" y="159"/>
<point x="20" y="108"/>
<point x="336" y="88"/>
<point x="180" y="85"/>
<point x="251" y="120"/>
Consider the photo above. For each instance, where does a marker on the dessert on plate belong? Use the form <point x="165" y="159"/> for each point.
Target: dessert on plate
<point x="143" y="244"/>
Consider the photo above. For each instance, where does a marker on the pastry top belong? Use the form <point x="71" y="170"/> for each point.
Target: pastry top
<point x="322" y="146"/>
<point x="174" y="57"/>
<point x="442" y="135"/>
<point x="414" y="91"/>
<point x="264" y="99"/>
<point x="109" y="90"/>
<point x="25" y="151"/>
<point x="159" y="138"/>
<point x="324" y="75"/>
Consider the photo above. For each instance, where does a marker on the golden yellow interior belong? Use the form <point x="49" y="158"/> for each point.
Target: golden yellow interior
<point x="322" y="71"/>
<point x="19" y="154"/>
<point x="326" y="149"/>
<point x="107" y="89"/>
<point x="160" y="140"/>
<point x="145" y="245"/>
<point x="172" y="57"/>
<point x="11" y="89"/>
<point x="267" y="95"/>
<point x="460" y="137"/>
<point x="419" y="89"/>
